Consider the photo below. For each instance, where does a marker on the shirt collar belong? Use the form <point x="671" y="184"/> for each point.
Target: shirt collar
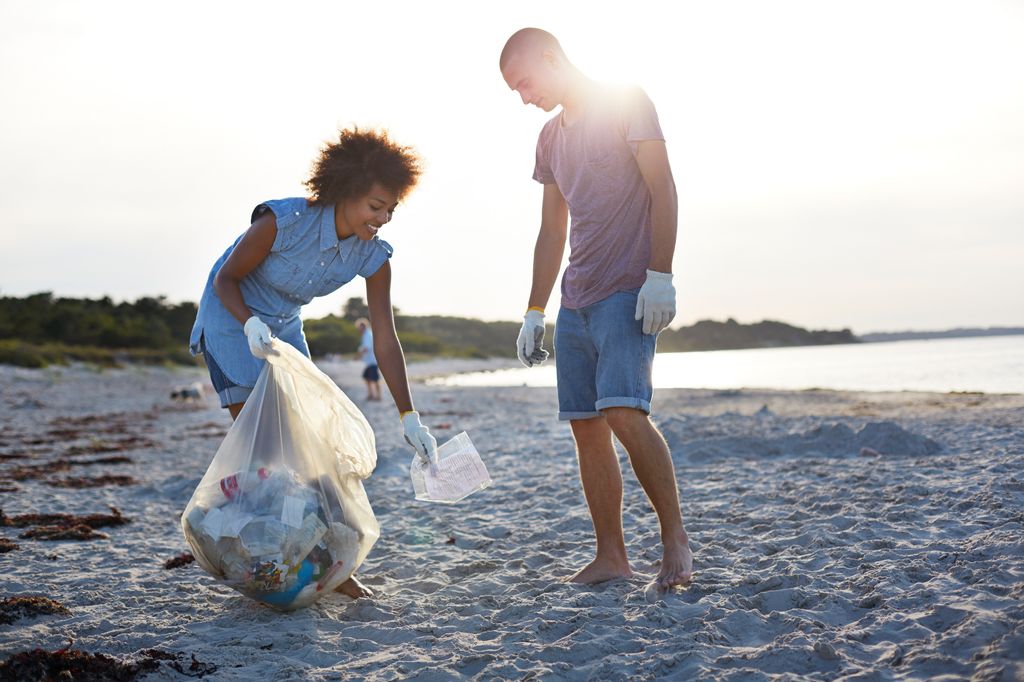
<point x="328" y="232"/>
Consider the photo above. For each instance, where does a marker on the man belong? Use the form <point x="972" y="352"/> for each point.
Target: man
<point x="603" y="161"/>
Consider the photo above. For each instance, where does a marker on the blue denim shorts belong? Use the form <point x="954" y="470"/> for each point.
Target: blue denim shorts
<point x="602" y="358"/>
<point x="229" y="393"/>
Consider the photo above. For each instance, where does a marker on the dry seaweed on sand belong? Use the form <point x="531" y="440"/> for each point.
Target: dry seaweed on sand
<point x="16" y="608"/>
<point x="78" y="531"/>
<point x="35" y="471"/>
<point x="90" y="481"/>
<point x="64" y="526"/>
<point x="183" y="559"/>
<point x="12" y="455"/>
<point x="91" y="520"/>
<point x="27" y="472"/>
<point x="196" y="668"/>
<point x="72" y="664"/>
<point x="99" y="445"/>
<point x="114" y="422"/>
<point x="206" y="430"/>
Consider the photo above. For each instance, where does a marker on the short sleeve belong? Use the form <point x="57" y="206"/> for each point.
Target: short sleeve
<point x="641" y="119"/>
<point x="542" y="172"/>
<point x="377" y="256"/>
<point x="286" y="213"/>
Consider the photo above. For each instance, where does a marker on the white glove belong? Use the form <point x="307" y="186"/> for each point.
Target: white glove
<point x="258" y="334"/>
<point x="531" y="337"/>
<point x="418" y="436"/>
<point x="656" y="302"/>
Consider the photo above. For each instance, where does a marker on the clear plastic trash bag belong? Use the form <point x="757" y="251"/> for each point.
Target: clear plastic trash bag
<point x="281" y="514"/>
<point x="459" y="472"/>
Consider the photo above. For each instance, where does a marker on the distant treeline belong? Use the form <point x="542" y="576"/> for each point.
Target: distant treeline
<point x="39" y="329"/>
<point x="420" y="335"/>
<point x="729" y="335"/>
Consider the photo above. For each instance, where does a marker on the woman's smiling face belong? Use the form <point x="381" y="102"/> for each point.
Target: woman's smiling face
<point x="365" y="215"/>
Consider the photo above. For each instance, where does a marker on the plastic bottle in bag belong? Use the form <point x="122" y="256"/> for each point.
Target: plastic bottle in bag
<point x="242" y="482"/>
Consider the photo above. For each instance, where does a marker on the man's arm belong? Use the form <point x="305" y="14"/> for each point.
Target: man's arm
<point x="652" y="157"/>
<point x="547" y="253"/>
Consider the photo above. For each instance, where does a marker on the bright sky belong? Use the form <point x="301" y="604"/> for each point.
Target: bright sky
<point x="840" y="164"/>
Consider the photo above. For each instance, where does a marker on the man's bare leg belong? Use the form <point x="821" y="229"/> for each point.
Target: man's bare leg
<point x="652" y="462"/>
<point x="602" y="486"/>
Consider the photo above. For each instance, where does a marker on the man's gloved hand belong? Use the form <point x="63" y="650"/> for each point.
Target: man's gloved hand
<point x="258" y="334"/>
<point x="418" y="436"/>
<point x="656" y="302"/>
<point x="531" y="337"/>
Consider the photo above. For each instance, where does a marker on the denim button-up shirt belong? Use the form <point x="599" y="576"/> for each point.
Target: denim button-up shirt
<point x="306" y="260"/>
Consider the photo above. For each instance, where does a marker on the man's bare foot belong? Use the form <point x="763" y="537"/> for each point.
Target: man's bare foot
<point x="601" y="570"/>
<point x="354" y="589"/>
<point x="676" y="566"/>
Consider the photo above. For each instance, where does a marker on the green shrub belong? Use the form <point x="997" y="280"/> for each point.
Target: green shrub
<point x="24" y="354"/>
<point x="331" y="334"/>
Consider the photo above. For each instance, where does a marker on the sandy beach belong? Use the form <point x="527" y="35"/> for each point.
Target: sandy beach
<point x="837" y="536"/>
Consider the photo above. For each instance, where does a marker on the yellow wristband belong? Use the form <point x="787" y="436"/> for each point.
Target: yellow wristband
<point x="537" y="308"/>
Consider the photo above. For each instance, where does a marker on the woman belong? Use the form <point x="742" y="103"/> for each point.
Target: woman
<point x="299" y="248"/>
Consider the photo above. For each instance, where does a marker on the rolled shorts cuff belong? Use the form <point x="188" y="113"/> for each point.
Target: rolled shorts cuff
<point x="234" y="394"/>
<point x="569" y="416"/>
<point x="635" y="403"/>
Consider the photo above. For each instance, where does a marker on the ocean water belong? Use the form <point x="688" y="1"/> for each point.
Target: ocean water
<point x="991" y="364"/>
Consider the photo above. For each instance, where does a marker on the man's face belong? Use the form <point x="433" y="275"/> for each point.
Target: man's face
<point x="537" y="79"/>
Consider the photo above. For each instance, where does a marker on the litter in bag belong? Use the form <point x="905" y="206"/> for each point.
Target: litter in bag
<point x="281" y="514"/>
<point x="459" y="472"/>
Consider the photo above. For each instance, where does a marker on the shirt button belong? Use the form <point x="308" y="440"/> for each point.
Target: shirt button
<point x="321" y="262"/>
<point x="310" y="281"/>
<point x="296" y="213"/>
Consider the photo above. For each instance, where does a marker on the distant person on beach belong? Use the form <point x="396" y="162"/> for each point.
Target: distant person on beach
<point x="371" y="375"/>
<point x="299" y="248"/>
<point x="602" y="160"/>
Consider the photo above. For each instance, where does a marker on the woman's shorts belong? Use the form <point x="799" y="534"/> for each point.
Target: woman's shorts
<point x="229" y="393"/>
<point x="371" y="373"/>
<point x="602" y="358"/>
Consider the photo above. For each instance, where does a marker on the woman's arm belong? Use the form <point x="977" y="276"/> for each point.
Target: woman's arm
<point x="253" y="248"/>
<point x="390" y="358"/>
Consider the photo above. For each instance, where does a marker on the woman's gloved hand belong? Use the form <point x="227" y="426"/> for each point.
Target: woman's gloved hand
<point x="258" y="334"/>
<point x="419" y="437"/>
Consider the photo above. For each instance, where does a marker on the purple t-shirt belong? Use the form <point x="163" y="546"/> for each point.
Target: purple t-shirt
<point x="593" y="162"/>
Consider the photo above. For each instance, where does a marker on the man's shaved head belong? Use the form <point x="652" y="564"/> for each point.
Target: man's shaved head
<point x="529" y="42"/>
<point x="534" y="65"/>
